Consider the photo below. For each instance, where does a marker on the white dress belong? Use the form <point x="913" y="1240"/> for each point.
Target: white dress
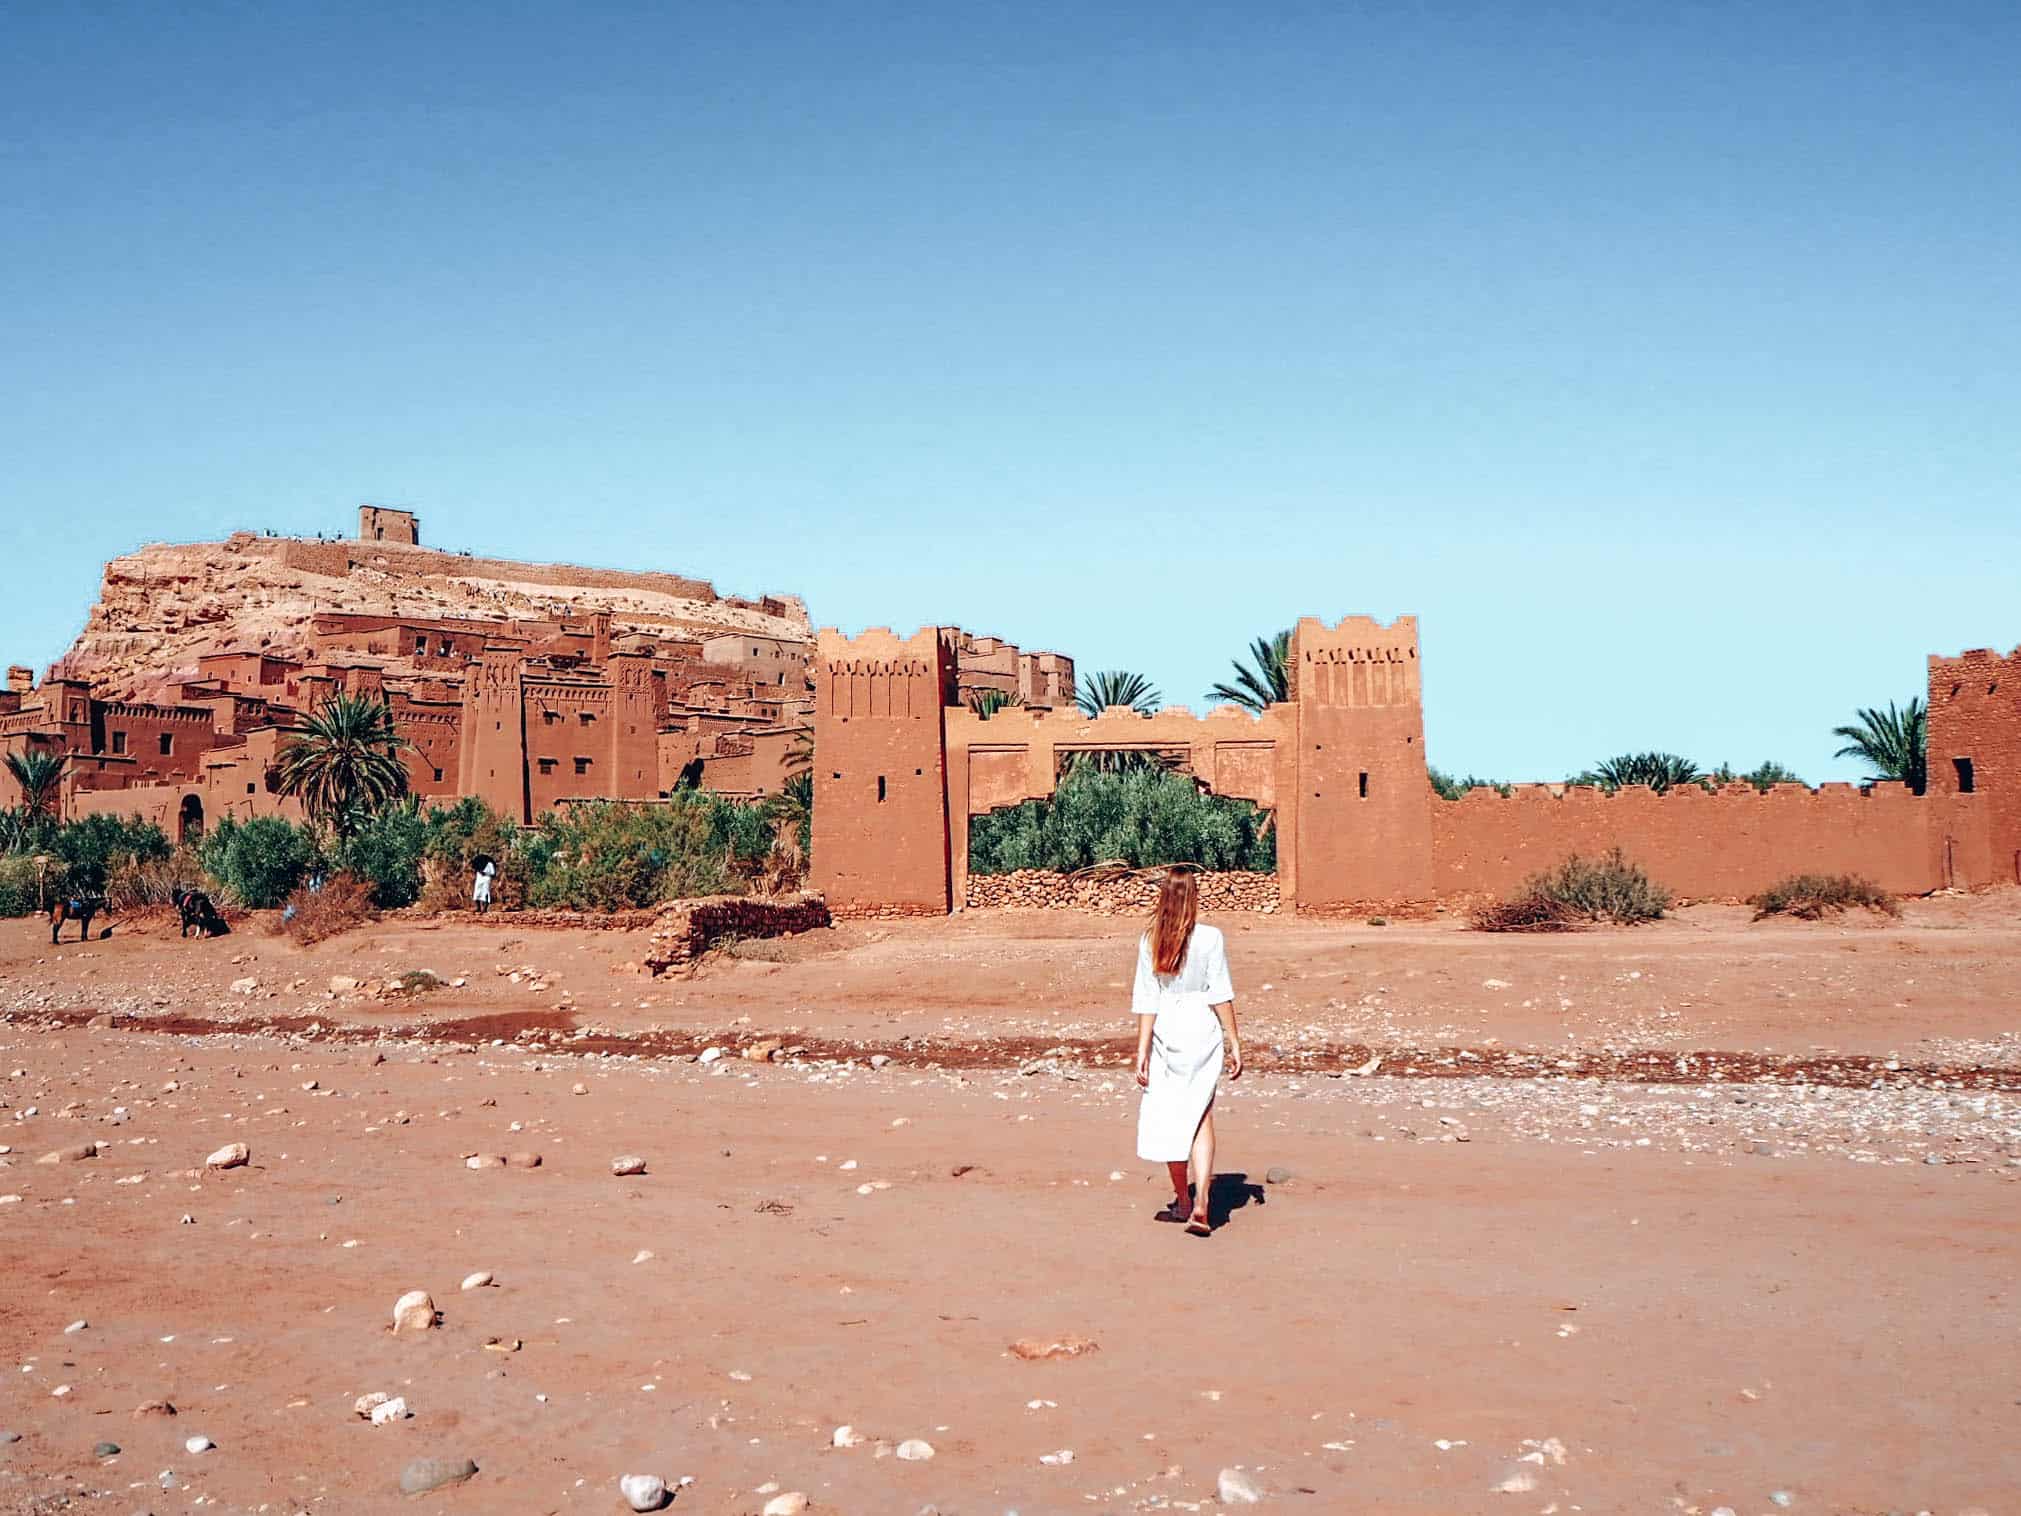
<point x="480" y="890"/>
<point x="1186" y="1050"/>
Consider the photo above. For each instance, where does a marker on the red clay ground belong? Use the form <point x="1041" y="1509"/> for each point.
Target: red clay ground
<point x="1793" y="1279"/>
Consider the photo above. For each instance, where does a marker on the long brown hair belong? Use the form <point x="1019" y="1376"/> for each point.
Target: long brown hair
<point x="1172" y="927"/>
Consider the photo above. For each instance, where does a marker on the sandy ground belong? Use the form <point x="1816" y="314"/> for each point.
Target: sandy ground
<point x="1711" y="1214"/>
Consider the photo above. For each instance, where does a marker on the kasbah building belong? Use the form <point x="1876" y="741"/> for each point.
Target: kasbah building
<point x="539" y="686"/>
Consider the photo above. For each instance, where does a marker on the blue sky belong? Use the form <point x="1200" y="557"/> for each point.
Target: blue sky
<point x="1665" y="361"/>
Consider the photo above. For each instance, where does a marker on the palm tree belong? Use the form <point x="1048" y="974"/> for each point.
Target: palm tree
<point x="344" y="761"/>
<point x="799" y="757"/>
<point x="793" y="809"/>
<point x="986" y="703"/>
<point x="1116" y="687"/>
<point x="1892" y="742"/>
<point x="38" y="774"/>
<point x="1659" y="771"/>
<point x="1268" y="682"/>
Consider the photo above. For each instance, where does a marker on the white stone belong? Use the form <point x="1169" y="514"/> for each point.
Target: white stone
<point x="75" y="1326"/>
<point x="1233" y="1487"/>
<point x="476" y="1281"/>
<point x="1518" y="1481"/>
<point x="915" y="1450"/>
<point x="643" y="1255"/>
<point x="367" y="1402"/>
<point x="414" y="1312"/>
<point x="1064" y="1455"/>
<point x="232" y="1155"/>
<point x="792" y="1503"/>
<point x="710" y="1055"/>
<point x="342" y="984"/>
<point x="245" y="986"/>
<point x="198" y="1444"/>
<point x="390" y="1410"/>
<point x="626" y="1164"/>
<point x="847" y="1436"/>
<point x="643" y="1492"/>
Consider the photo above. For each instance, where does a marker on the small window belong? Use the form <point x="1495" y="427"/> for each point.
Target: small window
<point x="547" y="765"/>
<point x="585" y="717"/>
<point x="1364" y="786"/>
<point x="443" y="647"/>
<point x="249" y="787"/>
<point x="582" y="765"/>
<point x="550" y="717"/>
<point x="1964" y="768"/>
<point x="438" y="776"/>
<point x="167" y="744"/>
<point x="880" y="789"/>
<point x="119" y="742"/>
<point x="420" y="647"/>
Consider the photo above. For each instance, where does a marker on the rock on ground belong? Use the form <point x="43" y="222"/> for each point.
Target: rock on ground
<point x="425" y="1474"/>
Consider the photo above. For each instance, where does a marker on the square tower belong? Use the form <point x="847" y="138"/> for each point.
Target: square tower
<point x="379" y="523"/>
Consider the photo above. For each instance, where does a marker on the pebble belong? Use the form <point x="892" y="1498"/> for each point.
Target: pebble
<point x="198" y="1444"/>
<point x="626" y="1164"/>
<point x="643" y="1492"/>
<point x="390" y="1410"/>
<point x="425" y="1474"/>
<point x="710" y="1055"/>
<point x="523" y="1161"/>
<point x="76" y="1154"/>
<point x="915" y="1450"/>
<point x="1064" y="1455"/>
<point x="370" y="1401"/>
<point x="231" y="1156"/>
<point x="75" y="1326"/>
<point x="477" y="1281"/>
<point x="846" y="1436"/>
<point x="9" y="1436"/>
<point x="1277" y="1174"/>
<point x="1233" y="1487"/>
<point x="792" y="1503"/>
<point x="1783" y="1497"/>
<point x="484" y="1161"/>
<point x="149" y="1409"/>
<point x="414" y="1312"/>
<point x="105" y="1450"/>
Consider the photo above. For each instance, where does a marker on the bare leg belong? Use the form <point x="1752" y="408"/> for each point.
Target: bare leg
<point x="1203" y="1165"/>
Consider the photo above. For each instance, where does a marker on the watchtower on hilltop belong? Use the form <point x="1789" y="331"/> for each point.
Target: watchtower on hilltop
<point x="378" y="523"/>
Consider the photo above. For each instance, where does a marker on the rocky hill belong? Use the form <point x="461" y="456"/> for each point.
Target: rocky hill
<point x="162" y="608"/>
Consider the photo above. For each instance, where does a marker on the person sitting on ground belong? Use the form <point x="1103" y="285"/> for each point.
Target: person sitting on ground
<point x="1184" y="1000"/>
<point x="483" y="871"/>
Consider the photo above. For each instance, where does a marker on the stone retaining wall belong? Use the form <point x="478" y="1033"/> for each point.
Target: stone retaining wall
<point x="683" y="932"/>
<point x="1129" y="895"/>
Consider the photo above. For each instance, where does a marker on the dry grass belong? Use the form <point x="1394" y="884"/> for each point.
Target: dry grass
<point x="1578" y="891"/>
<point x="1810" y="897"/>
<point x="311" y="916"/>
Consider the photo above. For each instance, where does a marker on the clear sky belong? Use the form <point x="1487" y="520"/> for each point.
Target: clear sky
<point x="1665" y="360"/>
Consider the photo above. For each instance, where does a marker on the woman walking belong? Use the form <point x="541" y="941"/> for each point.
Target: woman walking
<point x="1185" y="1005"/>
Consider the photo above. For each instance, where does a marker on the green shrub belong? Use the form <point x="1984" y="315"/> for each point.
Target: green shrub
<point x="1811" y="896"/>
<point x="1577" y="891"/>
<point x="1763" y="776"/>
<point x="26" y="831"/>
<point x="92" y="848"/>
<point x="259" y="862"/>
<point x="1449" y="788"/>
<point x="1142" y="817"/>
<point x="21" y="889"/>
<point x="609" y="856"/>
<point x="384" y="850"/>
<point x="459" y="833"/>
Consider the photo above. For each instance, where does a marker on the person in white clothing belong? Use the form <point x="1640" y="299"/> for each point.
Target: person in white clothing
<point x="483" y="871"/>
<point x="1184" y="1001"/>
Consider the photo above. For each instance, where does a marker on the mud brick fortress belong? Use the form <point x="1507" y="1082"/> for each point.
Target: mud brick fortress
<point x="537" y="686"/>
<point x="532" y="686"/>
<point x="901" y="766"/>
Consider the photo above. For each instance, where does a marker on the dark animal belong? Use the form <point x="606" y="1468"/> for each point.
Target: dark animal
<point x="77" y="908"/>
<point x="198" y="910"/>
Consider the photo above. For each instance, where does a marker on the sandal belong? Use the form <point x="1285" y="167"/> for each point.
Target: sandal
<point x="1178" y="1210"/>
<point x="1199" y="1226"/>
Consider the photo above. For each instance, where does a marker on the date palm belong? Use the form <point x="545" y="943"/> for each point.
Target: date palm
<point x="1263" y="682"/>
<point x="1659" y="771"/>
<point x="1116" y="687"/>
<point x="344" y="761"/>
<point x="986" y="703"/>
<point x="1892" y="742"/>
<point x="38" y="774"/>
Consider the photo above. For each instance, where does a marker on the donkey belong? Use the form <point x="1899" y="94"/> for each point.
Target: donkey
<point x="79" y="908"/>
<point x="198" y="910"/>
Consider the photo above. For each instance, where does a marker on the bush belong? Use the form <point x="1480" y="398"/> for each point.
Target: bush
<point x="21" y="887"/>
<point x="384" y="850"/>
<point x="95" y="846"/>
<point x="1449" y="788"/>
<point x="610" y="856"/>
<point x="342" y="902"/>
<point x="260" y="862"/>
<point x="1578" y="891"/>
<point x="1143" y="817"/>
<point x="1811" y="896"/>
<point x="139" y="884"/>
